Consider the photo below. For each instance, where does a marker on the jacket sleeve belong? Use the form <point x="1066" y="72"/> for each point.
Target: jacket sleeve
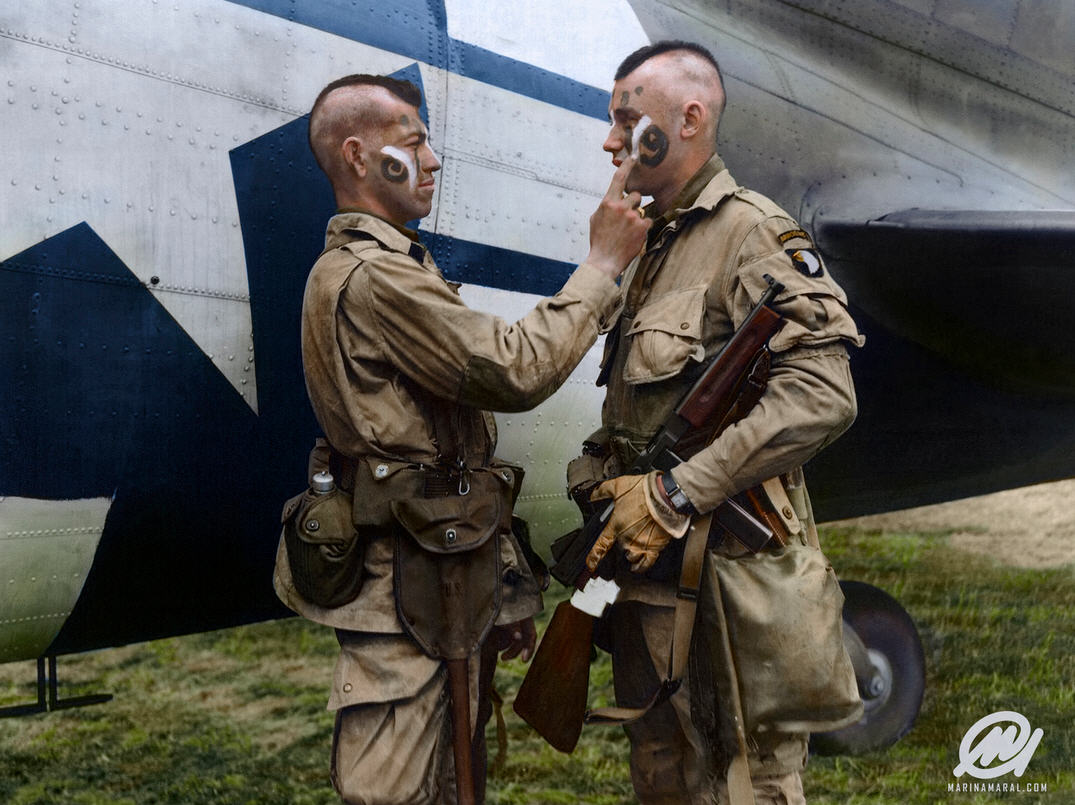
<point x="477" y="358"/>
<point x="810" y="398"/>
<point x="808" y="403"/>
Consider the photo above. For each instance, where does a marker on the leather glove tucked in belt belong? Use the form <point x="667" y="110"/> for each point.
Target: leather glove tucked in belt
<point x="641" y="522"/>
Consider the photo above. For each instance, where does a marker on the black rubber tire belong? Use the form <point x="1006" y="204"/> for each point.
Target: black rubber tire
<point x="884" y="627"/>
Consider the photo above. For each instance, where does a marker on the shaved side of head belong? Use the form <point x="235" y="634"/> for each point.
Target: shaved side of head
<point x="353" y="105"/>
<point x="683" y="72"/>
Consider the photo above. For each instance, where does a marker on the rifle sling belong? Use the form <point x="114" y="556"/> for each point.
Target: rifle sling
<point x="683" y="626"/>
<point x="740" y="788"/>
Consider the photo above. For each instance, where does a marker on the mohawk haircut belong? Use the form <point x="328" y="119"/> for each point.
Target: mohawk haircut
<point x="647" y="52"/>
<point x="404" y="90"/>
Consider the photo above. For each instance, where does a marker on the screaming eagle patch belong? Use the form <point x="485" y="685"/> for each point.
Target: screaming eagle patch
<point x="806" y="260"/>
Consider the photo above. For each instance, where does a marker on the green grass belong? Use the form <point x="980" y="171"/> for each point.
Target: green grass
<point x="237" y="716"/>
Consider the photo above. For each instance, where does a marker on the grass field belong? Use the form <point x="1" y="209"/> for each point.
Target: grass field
<point x="237" y="716"/>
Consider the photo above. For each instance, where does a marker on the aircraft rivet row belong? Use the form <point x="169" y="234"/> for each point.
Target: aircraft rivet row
<point x="51" y="532"/>
<point x="36" y="617"/>
<point x="170" y="77"/>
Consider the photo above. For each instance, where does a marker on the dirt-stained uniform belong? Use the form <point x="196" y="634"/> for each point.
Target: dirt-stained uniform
<point x="388" y="347"/>
<point x="702" y="272"/>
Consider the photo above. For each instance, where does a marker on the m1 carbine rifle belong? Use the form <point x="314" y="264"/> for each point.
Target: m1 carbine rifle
<point x="552" y="698"/>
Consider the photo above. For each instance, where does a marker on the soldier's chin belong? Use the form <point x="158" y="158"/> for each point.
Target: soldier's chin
<point x="635" y="184"/>
<point x="421" y="210"/>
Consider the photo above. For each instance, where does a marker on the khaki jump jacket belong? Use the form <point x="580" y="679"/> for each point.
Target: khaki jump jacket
<point x="700" y="275"/>
<point x="384" y="338"/>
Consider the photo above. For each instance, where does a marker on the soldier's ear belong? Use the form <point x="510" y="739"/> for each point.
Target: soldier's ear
<point x="353" y="155"/>
<point x="694" y="119"/>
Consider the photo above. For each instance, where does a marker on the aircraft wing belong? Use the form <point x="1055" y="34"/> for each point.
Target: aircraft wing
<point x="969" y="385"/>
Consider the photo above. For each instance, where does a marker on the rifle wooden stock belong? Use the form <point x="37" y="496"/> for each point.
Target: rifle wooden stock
<point x="552" y="698"/>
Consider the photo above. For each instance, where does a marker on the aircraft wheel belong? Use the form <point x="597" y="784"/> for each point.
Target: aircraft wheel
<point x="895" y="672"/>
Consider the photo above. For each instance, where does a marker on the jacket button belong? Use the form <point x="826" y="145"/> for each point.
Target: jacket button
<point x="312" y="525"/>
<point x="684" y="326"/>
<point x="787" y="512"/>
<point x="381" y="471"/>
<point x="347" y="687"/>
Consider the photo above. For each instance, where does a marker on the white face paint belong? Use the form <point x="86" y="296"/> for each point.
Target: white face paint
<point x="640" y="128"/>
<point x="407" y="158"/>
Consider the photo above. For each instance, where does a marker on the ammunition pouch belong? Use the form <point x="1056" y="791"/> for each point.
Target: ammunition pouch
<point x="324" y="549"/>
<point x="783" y="610"/>
<point x="447" y="563"/>
<point x="584" y="473"/>
<point x="327" y="534"/>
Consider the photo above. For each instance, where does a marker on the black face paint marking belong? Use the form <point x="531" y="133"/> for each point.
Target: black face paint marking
<point x="393" y="170"/>
<point x="625" y="98"/>
<point x="652" y="147"/>
<point x="638" y="90"/>
<point x="403" y="119"/>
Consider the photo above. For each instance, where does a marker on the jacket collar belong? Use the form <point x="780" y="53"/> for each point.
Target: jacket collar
<point x="344" y="225"/>
<point x="710" y="185"/>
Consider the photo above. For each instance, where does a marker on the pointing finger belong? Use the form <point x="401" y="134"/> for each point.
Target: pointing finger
<point x="619" y="178"/>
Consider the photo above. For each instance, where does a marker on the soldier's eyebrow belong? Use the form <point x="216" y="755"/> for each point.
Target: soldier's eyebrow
<point x="624" y="113"/>
<point x="419" y="133"/>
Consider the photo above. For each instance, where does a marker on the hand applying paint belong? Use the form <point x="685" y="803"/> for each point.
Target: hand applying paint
<point x="617" y="230"/>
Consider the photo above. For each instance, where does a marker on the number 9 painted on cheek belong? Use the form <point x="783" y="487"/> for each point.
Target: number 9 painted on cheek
<point x="649" y="142"/>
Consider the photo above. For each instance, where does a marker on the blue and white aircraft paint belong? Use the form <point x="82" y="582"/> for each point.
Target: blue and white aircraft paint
<point x="160" y="211"/>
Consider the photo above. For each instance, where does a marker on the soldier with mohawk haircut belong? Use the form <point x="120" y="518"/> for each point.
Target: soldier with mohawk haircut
<point x="401" y="375"/>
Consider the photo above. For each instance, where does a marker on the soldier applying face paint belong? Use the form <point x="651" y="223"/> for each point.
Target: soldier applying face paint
<point x="401" y="375"/>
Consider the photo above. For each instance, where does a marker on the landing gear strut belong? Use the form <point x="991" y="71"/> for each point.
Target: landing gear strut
<point x="53" y="701"/>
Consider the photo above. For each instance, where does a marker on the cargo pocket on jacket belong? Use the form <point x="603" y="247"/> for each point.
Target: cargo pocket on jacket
<point x="665" y="334"/>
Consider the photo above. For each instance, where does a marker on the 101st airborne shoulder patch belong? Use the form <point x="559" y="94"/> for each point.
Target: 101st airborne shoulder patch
<point x="806" y="260"/>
